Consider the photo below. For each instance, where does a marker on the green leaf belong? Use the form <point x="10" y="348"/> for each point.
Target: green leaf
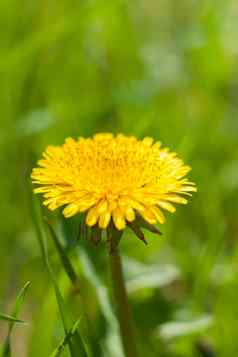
<point x="66" y="340"/>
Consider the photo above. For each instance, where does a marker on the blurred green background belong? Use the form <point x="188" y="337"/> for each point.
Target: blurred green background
<point x="167" y="69"/>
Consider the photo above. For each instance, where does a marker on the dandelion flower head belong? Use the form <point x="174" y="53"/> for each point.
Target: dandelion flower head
<point x="112" y="179"/>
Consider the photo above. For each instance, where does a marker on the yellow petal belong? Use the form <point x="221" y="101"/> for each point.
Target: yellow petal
<point x="144" y="197"/>
<point x="166" y="205"/>
<point x="148" y="141"/>
<point x="148" y="215"/>
<point x="52" y="203"/>
<point x="122" y="202"/>
<point x="130" y="214"/>
<point x="71" y="210"/>
<point x="176" y="199"/>
<point x="86" y="204"/>
<point x="102" y="206"/>
<point x="112" y="205"/>
<point x="157" y="145"/>
<point x="103" y="136"/>
<point x="158" y="214"/>
<point x="136" y="205"/>
<point x="118" y="219"/>
<point x="42" y="189"/>
<point x="104" y="219"/>
<point x="92" y="217"/>
<point x="189" y="189"/>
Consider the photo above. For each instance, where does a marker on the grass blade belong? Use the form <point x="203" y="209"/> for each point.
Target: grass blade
<point x="76" y="345"/>
<point x="63" y="256"/>
<point x="66" y="340"/>
<point x="13" y="319"/>
<point x="19" y="301"/>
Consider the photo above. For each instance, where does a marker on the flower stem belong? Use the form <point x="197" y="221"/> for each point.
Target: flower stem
<point x="123" y="309"/>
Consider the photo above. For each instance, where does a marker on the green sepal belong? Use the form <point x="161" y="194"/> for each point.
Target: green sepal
<point x="138" y="232"/>
<point x="146" y="225"/>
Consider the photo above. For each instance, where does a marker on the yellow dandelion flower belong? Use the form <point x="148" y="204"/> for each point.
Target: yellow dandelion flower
<point x="112" y="179"/>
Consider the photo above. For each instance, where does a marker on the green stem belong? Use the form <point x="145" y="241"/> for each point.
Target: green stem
<point x="123" y="309"/>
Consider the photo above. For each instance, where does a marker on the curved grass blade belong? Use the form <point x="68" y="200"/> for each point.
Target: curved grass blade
<point x="16" y="309"/>
<point x="76" y="345"/>
<point x="57" y="352"/>
<point x="20" y="299"/>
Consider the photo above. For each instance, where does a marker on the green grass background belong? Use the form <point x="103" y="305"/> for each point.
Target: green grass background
<point x="167" y="69"/>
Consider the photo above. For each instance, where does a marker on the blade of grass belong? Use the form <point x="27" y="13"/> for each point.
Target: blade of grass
<point x="19" y="300"/>
<point x="16" y="309"/>
<point x="66" y="340"/>
<point x="76" y="345"/>
<point x="11" y="319"/>
<point x="62" y="254"/>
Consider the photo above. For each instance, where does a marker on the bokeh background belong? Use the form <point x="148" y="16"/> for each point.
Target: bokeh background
<point x="167" y="69"/>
